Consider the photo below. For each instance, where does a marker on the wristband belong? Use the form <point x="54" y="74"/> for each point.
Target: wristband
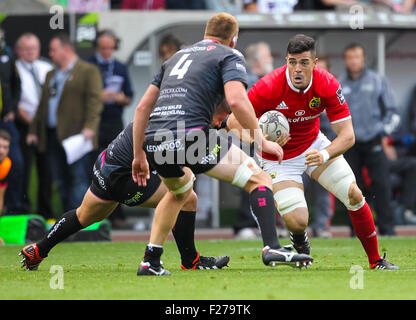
<point x="325" y="155"/>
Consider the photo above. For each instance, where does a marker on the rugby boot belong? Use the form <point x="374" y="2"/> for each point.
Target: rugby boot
<point x="147" y="269"/>
<point x="31" y="258"/>
<point x="383" y="264"/>
<point x="206" y="263"/>
<point x="285" y="256"/>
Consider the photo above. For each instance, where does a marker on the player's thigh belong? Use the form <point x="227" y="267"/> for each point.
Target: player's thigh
<point x="338" y="178"/>
<point x="318" y="171"/>
<point x="93" y="209"/>
<point x="237" y="168"/>
<point x="156" y="197"/>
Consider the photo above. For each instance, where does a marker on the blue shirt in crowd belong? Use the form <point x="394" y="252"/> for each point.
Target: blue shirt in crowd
<point x="115" y="77"/>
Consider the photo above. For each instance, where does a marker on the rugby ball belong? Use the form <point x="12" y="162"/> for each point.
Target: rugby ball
<point x="274" y="123"/>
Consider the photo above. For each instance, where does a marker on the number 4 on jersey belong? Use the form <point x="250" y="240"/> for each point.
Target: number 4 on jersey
<point x="179" y="69"/>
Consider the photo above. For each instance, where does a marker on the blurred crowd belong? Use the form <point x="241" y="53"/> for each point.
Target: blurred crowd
<point x="46" y="101"/>
<point x="239" y="6"/>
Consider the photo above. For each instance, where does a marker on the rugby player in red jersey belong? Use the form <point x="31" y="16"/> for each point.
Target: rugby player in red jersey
<point x="302" y="91"/>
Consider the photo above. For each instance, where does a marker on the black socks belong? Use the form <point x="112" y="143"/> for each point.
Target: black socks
<point x="183" y="232"/>
<point x="152" y="254"/>
<point x="264" y="212"/>
<point x="67" y="225"/>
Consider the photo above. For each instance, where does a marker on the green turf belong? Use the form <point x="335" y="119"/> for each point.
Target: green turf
<point x="108" y="271"/>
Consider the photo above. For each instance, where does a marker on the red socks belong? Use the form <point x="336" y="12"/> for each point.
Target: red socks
<point x="363" y="223"/>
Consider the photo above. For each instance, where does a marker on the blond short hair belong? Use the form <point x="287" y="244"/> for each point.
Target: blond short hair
<point x="221" y="26"/>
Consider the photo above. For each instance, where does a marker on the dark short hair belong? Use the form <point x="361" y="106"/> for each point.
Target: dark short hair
<point x="325" y="57"/>
<point x="5" y="135"/>
<point x="64" y="39"/>
<point x="171" y="41"/>
<point x="354" y="45"/>
<point x="301" y="43"/>
<point x="109" y="33"/>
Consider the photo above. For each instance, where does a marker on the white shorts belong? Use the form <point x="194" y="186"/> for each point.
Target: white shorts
<point x="292" y="169"/>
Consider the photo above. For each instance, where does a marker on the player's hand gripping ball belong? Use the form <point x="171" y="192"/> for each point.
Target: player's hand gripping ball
<point x="274" y="124"/>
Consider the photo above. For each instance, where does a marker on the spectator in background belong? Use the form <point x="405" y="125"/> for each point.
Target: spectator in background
<point x="374" y="116"/>
<point x="10" y="95"/>
<point x="323" y="4"/>
<point x="411" y="137"/>
<point x="32" y="73"/>
<point x="185" y="4"/>
<point x="269" y="6"/>
<point x="143" y="4"/>
<point x="87" y="6"/>
<point x="399" y="6"/>
<point x="5" y="165"/>
<point x="70" y="105"/>
<point x="168" y="46"/>
<point x="324" y="202"/>
<point x="116" y="94"/>
<point x="259" y="62"/>
<point x="229" y="6"/>
<point x="403" y="168"/>
<point x="117" y="91"/>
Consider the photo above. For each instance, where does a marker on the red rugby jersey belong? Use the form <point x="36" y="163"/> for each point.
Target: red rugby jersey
<point x="275" y="91"/>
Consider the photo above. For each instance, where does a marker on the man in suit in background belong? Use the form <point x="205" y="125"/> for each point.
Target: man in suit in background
<point x="32" y="71"/>
<point x="116" y="94"/>
<point x="70" y="105"/>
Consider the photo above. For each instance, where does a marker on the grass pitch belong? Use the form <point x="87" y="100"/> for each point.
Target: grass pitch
<point x="108" y="271"/>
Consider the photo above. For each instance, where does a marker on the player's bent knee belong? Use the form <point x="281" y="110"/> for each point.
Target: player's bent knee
<point x="181" y="197"/>
<point x="296" y="221"/>
<point x="257" y="180"/>
<point x="191" y="203"/>
<point x="339" y="179"/>
<point x="246" y="172"/>
<point x="290" y="199"/>
<point x="86" y="219"/>
<point x="184" y="191"/>
<point x="355" y="195"/>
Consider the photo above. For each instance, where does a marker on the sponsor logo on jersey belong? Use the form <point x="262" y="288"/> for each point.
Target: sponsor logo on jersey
<point x="209" y="48"/>
<point x="340" y="95"/>
<point x="299" y="113"/>
<point x="175" y="145"/>
<point x="282" y="106"/>
<point x="193" y="49"/>
<point x="314" y="103"/>
<point x="301" y="119"/>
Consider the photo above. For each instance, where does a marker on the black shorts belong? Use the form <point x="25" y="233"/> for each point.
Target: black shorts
<point x="200" y="150"/>
<point x="114" y="182"/>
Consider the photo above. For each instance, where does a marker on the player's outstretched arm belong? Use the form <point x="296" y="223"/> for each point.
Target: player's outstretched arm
<point x="140" y="167"/>
<point x="345" y="139"/>
<point x="240" y="105"/>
